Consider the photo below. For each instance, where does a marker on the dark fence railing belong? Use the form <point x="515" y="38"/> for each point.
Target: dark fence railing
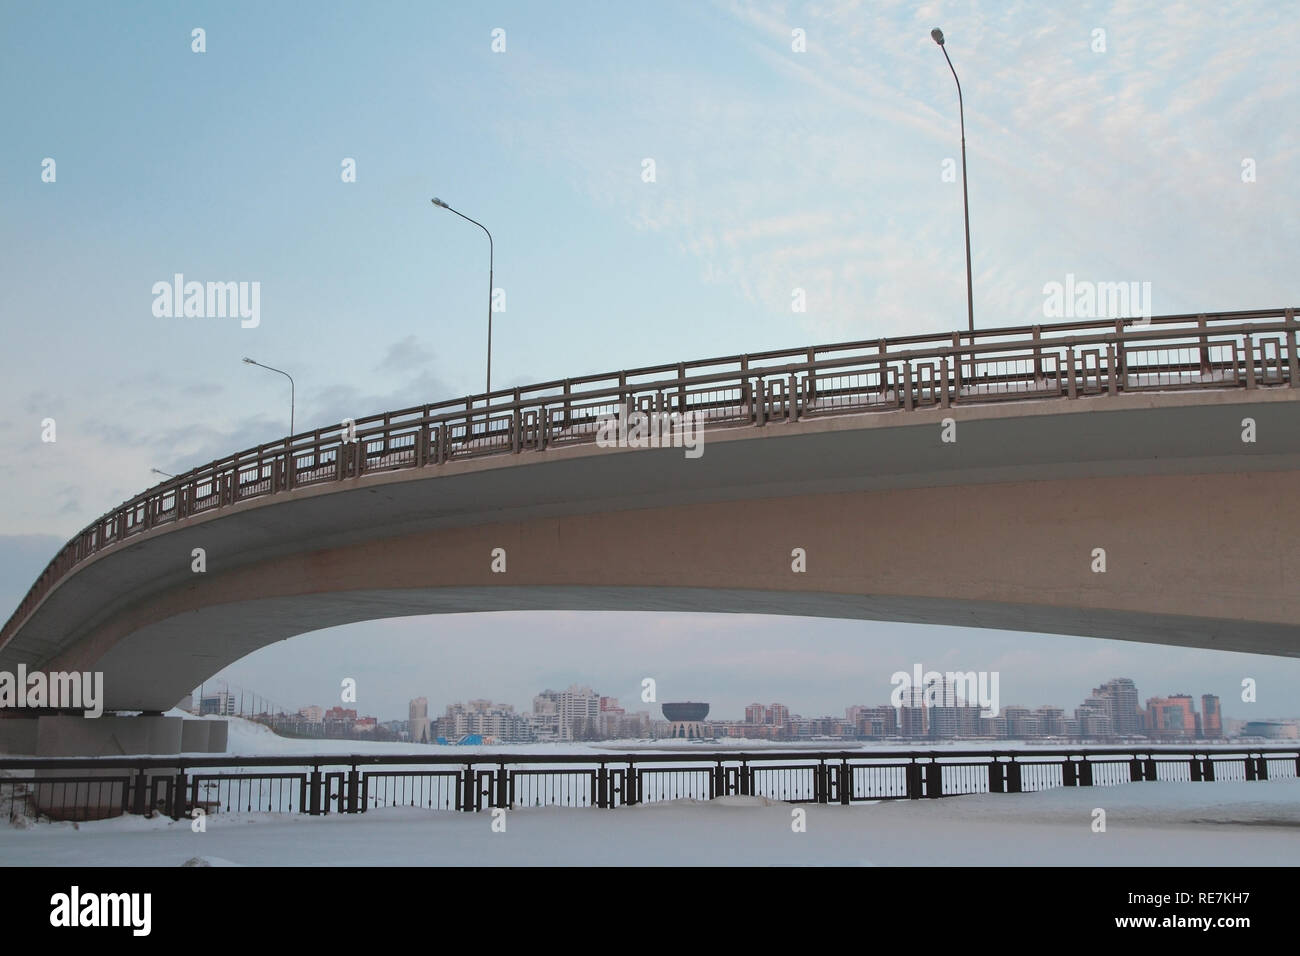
<point x="92" y="788"/>
<point x="1228" y="350"/>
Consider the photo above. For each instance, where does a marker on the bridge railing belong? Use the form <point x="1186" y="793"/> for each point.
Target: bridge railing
<point x="1231" y="350"/>
<point x="92" y="788"/>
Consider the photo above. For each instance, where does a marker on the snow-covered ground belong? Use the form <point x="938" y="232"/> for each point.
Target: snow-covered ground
<point x="1177" y="824"/>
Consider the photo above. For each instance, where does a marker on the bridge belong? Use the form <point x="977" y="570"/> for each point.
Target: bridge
<point x="1118" y="478"/>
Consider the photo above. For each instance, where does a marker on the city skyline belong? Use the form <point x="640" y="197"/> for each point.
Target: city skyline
<point x="1141" y="704"/>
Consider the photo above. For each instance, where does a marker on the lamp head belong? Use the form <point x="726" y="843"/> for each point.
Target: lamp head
<point x="937" y="34"/>
<point x="248" y="361"/>
<point x="438" y="202"/>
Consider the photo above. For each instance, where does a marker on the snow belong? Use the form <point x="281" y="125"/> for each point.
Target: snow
<point x="1179" y="824"/>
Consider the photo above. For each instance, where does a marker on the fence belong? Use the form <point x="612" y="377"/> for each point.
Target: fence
<point x="91" y="788"/>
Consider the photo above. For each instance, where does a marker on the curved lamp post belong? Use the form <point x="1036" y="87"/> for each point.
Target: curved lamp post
<point x="491" y="256"/>
<point x="937" y="35"/>
<point x="249" y="361"/>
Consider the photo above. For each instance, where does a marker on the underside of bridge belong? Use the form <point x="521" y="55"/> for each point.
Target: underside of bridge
<point x="869" y="516"/>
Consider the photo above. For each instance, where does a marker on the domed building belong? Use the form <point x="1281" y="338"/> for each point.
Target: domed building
<point x="687" y="720"/>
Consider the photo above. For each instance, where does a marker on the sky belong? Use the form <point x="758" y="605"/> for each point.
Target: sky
<point x="1162" y="149"/>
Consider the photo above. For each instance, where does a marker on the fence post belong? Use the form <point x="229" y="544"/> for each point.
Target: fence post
<point x="1134" y="770"/>
<point x="746" y="780"/>
<point x="907" y="384"/>
<point x="1150" y="768"/>
<point x="1261" y="763"/>
<point x="1207" y="773"/>
<point x="845" y="783"/>
<point x="1073" y="387"/>
<point x="1069" y="773"/>
<point x="1013" y="776"/>
<point x="632" y="786"/>
<point x="1250" y="767"/>
<point x="913" y="780"/>
<point x="1292" y="360"/>
<point x="353" y="801"/>
<point x="602" y="787"/>
<point x="178" y="794"/>
<point x="471" y="801"/>
<point x="1085" y="772"/>
<point x="1112" y="384"/>
<point x="1194" y="768"/>
<point x="1250" y="360"/>
<point x="934" y="779"/>
<point x="943" y="366"/>
<point x="314" y="797"/>
<point x="503" y="787"/>
<point x="141" y="798"/>
<point x="1205" y="346"/>
<point x="997" y="780"/>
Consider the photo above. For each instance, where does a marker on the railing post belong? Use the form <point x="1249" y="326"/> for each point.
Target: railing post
<point x="1085" y="771"/>
<point x="956" y="344"/>
<point x="179" y="786"/>
<point x="943" y="378"/>
<point x="997" y="778"/>
<point x="821" y="783"/>
<point x="632" y="786"/>
<point x="1292" y="360"/>
<point x="1261" y="763"/>
<point x="1013" y="776"/>
<point x="1037" y="336"/>
<point x="602" y="787"/>
<point x="845" y="783"/>
<point x="1150" y="768"/>
<point x="1121" y="353"/>
<point x="1207" y="772"/>
<point x="1205" y="345"/>
<point x="1073" y="387"/>
<point x="746" y="779"/>
<point x="503" y="786"/>
<point x="1194" y="768"/>
<point x="1134" y="770"/>
<point x="1112" y="382"/>
<point x="140" y="802"/>
<point x="934" y="779"/>
<point x="913" y="772"/>
<point x="472" y="796"/>
<point x="907" y="384"/>
<point x="314" y="792"/>
<point x="1069" y="773"/>
<point x="1250" y="360"/>
<point x="352" y="803"/>
<point x="759" y="393"/>
<point x="1250" y="767"/>
<point x="792" y="399"/>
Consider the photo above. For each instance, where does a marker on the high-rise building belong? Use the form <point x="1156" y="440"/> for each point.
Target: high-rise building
<point x="1172" y="716"/>
<point x="1211" y="717"/>
<point x="568" y="714"/>
<point x="418" y="724"/>
<point x="1119" y="696"/>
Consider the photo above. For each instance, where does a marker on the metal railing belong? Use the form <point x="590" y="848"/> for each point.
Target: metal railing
<point x="97" y="787"/>
<point x="1229" y="350"/>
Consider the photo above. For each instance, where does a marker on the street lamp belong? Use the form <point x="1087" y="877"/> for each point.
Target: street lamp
<point x="159" y="471"/>
<point x="249" y="361"/>
<point x="937" y="35"/>
<point x="491" y="255"/>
